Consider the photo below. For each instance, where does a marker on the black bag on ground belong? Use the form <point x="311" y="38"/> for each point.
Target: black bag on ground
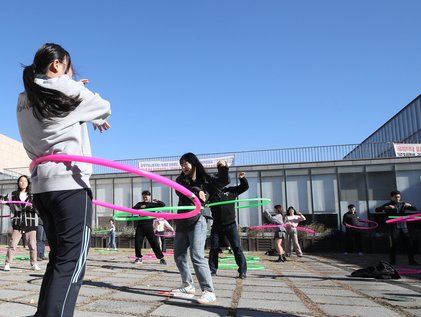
<point x="271" y="252"/>
<point x="383" y="270"/>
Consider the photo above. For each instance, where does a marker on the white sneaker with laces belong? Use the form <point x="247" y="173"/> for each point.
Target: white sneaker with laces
<point x="187" y="292"/>
<point x="35" y="267"/>
<point x="207" y="298"/>
<point x="6" y="267"/>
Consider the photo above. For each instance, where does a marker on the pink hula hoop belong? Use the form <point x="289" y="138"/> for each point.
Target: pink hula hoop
<point x="374" y="226"/>
<point x="16" y="202"/>
<point x="307" y="230"/>
<point x="155" y="177"/>
<point x="169" y="235"/>
<point x="410" y="218"/>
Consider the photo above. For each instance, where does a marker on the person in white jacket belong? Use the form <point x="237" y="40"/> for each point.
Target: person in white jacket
<point x="161" y="225"/>
<point x="291" y="221"/>
<point x="52" y="115"/>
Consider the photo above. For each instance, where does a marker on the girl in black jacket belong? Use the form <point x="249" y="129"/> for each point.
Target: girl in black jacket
<point x="191" y="232"/>
<point x="24" y="222"/>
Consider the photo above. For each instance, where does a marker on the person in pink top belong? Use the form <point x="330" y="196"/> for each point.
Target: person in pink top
<point x="292" y="219"/>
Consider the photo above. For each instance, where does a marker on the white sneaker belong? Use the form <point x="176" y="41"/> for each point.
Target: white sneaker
<point x="35" y="267"/>
<point x="188" y="292"/>
<point x="360" y="253"/>
<point x="6" y="267"/>
<point x="207" y="298"/>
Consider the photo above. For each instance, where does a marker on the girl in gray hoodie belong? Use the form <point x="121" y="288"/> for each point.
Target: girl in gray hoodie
<point x="52" y="114"/>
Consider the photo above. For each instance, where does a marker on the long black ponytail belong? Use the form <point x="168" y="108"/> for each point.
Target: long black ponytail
<point x="47" y="103"/>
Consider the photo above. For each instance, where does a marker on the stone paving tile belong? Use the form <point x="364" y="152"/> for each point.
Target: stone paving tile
<point x="7" y="294"/>
<point x="259" y="313"/>
<point x="16" y="310"/>
<point x="79" y="313"/>
<point x="114" y="286"/>
<point x="196" y="311"/>
<point x="338" y="300"/>
<point x="269" y="296"/>
<point x="117" y="307"/>
<point x="357" y="311"/>
<point x="294" y="305"/>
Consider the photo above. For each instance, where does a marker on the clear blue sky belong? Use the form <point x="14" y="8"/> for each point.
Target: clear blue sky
<point x="211" y="76"/>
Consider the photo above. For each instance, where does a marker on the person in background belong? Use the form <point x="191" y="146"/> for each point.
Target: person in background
<point x="161" y="225"/>
<point x="144" y="228"/>
<point x="225" y="226"/>
<point x="399" y="231"/>
<point x="352" y="235"/>
<point x="24" y="222"/>
<point x="280" y="232"/>
<point x="111" y="236"/>
<point x="291" y="221"/>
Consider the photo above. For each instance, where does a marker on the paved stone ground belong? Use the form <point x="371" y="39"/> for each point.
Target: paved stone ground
<point x="314" y="285"/>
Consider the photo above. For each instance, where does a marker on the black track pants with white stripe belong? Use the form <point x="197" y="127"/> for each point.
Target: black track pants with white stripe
<point x="67" y="217"/>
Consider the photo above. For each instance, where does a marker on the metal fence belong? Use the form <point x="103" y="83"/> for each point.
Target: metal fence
<point x="262" y="157"/>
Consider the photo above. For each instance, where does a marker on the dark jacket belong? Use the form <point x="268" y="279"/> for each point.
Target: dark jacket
<point x="25" y="218"/>
<point x="225" y="214"/>
<point x="210" y="186"/>
<point x="146" y="205"/>
<point x="350" y="219"/>
<point x="398" y="211"/>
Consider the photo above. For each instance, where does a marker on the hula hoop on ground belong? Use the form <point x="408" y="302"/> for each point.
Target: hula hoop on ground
<point x="232" y="258"/>
<point x="260" y="202"/>
<point x="15" y="202"/>
<point x="303" y="229"/>
<point x="374" y="225"/>
<point x="234" y="266"/>
<point x="412" y="217"/>
<point x="60" y="158"/>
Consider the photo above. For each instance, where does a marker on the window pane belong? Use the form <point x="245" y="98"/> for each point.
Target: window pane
<point x="325" y="193"/>
<point x="104" y="192"/>
<point x="298" y="191"/>
<point x="250" y="216"/>
<point x="352" y="190"/>
<point x="409" y="184"/>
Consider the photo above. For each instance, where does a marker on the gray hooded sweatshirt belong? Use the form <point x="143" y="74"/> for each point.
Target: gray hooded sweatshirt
<point x="67" y="135"/>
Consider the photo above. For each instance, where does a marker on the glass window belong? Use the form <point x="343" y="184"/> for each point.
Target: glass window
<point x="298" y="193"/>
<point x="104" y="192"/>
<point x="162" y="193"/>
<point x="273" y="187"/>
<point x="408" y="182"/>
<point x="139" y="185"/>
<point x="123" y="192"/>
<point x="324" y="190"/>
<point x="380" y="182"/>
<point x="352" y="190"/>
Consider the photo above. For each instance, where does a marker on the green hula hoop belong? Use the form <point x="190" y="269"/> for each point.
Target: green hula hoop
<point x="259" y="202"/>
<point x="233" y="266"/>
<point x="101" y="231"/>
<point x="17" y="257"/>
<point x="232" y="258"/>
<point x="126" y="216"/>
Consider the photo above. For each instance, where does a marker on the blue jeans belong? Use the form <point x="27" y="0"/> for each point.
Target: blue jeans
<point x="40" y="241"/>
<point x="231" y="232"/>
<point x="195" y="239"/>
<point x="111" y="240"/>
